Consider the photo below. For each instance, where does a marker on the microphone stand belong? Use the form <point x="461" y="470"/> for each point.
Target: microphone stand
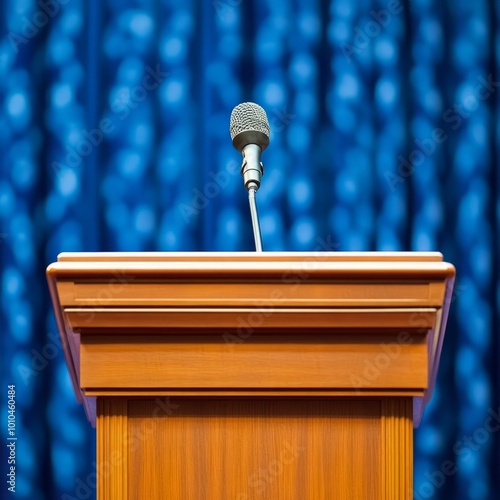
<point x="249" y="129"/>
<point x="255" y="217"/>
<point x="252" y="170"/>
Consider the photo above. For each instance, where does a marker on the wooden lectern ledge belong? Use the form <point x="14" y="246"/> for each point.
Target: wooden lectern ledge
<point x="280" y="340"/>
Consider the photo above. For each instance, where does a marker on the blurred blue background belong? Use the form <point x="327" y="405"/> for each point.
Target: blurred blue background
<point x="114" y="121"/>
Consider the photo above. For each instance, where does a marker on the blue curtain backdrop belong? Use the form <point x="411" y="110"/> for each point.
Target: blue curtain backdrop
<point x="114" y="136"/>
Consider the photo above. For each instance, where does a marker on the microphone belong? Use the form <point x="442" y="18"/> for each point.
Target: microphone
<point x="249" y="129"/>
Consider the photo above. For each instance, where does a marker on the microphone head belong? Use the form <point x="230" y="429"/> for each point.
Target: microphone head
<point x="249" y="125"/>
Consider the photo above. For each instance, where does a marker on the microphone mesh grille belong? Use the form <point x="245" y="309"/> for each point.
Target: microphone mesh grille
<point x="248" y="116"/>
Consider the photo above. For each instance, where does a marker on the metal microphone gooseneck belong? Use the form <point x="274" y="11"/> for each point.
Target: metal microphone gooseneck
<point x="255" y="219"/>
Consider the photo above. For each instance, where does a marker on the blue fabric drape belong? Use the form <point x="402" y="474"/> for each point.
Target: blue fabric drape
<point x="114" y="136"/>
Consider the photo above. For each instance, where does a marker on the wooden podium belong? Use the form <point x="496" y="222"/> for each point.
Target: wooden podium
<point x="251" y="376"/>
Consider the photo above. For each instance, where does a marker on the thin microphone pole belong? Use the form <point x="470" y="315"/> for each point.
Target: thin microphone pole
<point x="255" y="219"/>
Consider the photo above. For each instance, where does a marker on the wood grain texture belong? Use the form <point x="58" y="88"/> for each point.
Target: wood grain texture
<point x="206" y="320"/>
<point x="256" y="450"/>
<point x="111" y="450"/>
<point x="397" y="448"/>
<point x="270" y="361"/>
<point x="122" y="294"/>
<point x="287" y="372"/>
<point x="246" y="449"/>
<point x="115" y="274"/>
<point x="283" y="293"/>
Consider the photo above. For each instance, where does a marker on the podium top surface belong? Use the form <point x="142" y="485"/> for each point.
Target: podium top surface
<point x="257" y="256"/>
<point x="265" y="265"/>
